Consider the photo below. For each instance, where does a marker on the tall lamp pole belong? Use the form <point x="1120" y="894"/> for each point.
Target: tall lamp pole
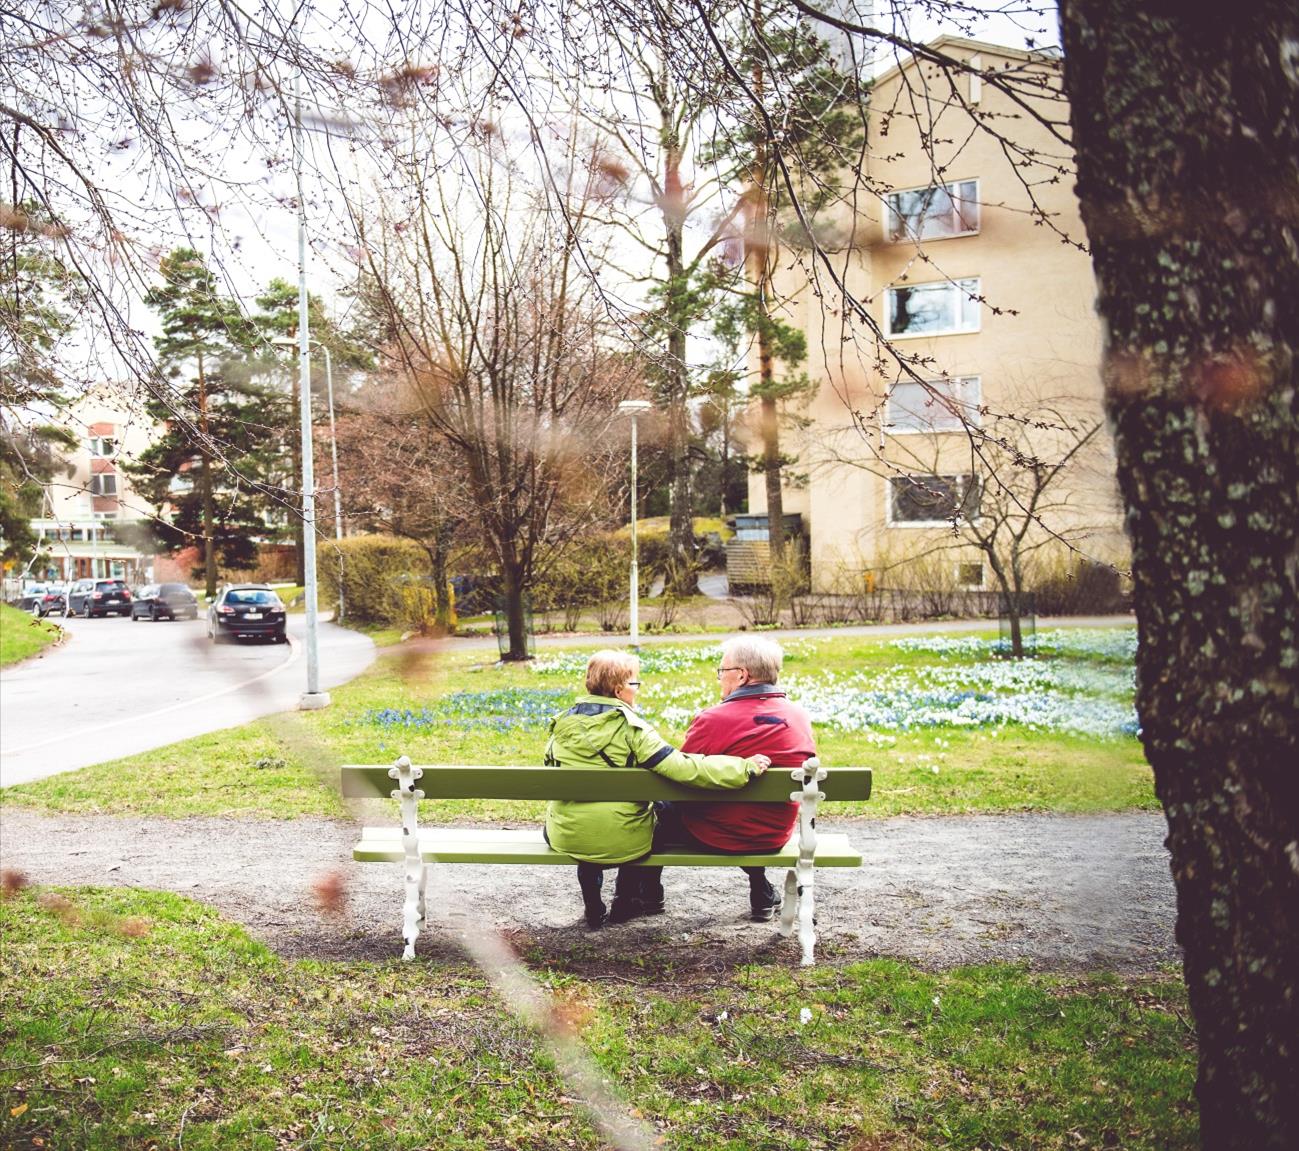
<point x="313" y="698"/>
<point x="634" y="408"/>
<point x="333" y="441"/>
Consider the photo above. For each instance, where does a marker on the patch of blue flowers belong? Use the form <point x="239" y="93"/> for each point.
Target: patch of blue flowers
<point x="506" y="709"/>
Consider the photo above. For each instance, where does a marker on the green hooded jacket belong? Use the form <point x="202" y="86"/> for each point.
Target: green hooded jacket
<point x="598" y="731"/>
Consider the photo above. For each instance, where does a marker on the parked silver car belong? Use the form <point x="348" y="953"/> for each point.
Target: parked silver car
<point x="42" y="599"/>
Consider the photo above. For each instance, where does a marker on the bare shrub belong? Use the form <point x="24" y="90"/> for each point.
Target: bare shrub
<point x="612" y="614"/>
<point x="678" y="572"/>
<point x="760" y="609"/>
<point x="1082" y="588"/>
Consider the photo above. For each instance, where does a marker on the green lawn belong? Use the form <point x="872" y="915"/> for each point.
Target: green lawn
<point x="141" y="1020"/>
<point x="22" y="636"/>
<point x="457" y="709"/>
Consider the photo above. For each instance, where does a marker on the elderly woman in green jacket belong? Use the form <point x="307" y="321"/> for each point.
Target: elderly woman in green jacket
<point x="602" y="729"/>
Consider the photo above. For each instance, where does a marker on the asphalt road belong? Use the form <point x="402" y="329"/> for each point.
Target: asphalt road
<point x="116" y="687"/>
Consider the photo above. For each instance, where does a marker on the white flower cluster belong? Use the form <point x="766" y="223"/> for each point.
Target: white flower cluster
<point x="898" y="701"/>
<point x="658" y="658"/>
<point x="1086" y="689"/>
<point x="1110" y="643"/>
<point x="652" y="659"/>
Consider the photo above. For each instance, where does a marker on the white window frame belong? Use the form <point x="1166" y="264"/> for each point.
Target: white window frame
<point x="967" y="310"/>
<point x="983" y="575"/>
<point x="97" y="447"/>
<point x="891" y="521"/>
<point x="900" y="229"/>
<point x="963" y="392"/>
<point x="97" y="485"/>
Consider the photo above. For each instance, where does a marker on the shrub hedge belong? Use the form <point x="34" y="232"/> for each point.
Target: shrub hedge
<point x="386" y="580"/>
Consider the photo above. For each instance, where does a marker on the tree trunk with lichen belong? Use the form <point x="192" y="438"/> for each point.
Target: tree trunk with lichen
<point x="1186" y="127"/>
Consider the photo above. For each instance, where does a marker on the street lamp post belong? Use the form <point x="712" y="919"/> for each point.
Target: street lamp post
<point x="333" y="441"/>
<point x="313" y="698"/>
<point x="634" y="408"/>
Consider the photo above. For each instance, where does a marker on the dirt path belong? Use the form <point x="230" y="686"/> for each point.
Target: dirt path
<point x="1057" y="892"/>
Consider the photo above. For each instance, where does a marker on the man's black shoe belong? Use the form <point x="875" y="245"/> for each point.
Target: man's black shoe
<point x="764" y="911"/>
<point x="625" y="909"/>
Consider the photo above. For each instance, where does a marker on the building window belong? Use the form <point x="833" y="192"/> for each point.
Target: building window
<point x="105" y="447"/>
<point x="104" y="484"/>
<point x="969" y="575"/>
<point x="935" y="212"/>
<point x="933" y="309"/>
<point x="934" y="406"/>
<point x="931" y="500"/>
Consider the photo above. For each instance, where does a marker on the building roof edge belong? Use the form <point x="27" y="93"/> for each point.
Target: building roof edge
<point x="951" y="41"/>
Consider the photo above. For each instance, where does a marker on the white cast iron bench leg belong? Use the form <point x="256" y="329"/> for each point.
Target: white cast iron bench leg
<point x="800" y="900"/>
<point x="416" y="873"/>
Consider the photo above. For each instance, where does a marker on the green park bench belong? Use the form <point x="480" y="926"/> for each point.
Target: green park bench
<point x="416" y="847"/>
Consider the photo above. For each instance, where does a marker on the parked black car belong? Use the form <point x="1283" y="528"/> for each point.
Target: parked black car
<point x="42" y="600"/>
<point x="164" y="601"/>
<point x="92" y="597"/>
<point x="244" y="610"/>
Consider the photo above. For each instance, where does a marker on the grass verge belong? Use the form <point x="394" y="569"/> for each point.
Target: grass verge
<point x="139" y="1019"/>
<point x="453" y="708"/>
<point x="21" y="635"/>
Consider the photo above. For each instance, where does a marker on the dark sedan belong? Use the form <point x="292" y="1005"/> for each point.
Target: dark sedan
<point x="246" y="610"/>
<point x="165" y="601"/>
<point x="92" y="597"/>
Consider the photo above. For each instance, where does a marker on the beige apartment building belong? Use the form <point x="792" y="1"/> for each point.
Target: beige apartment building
<point x="977" y="371"/>
<point x="92" y="514"/>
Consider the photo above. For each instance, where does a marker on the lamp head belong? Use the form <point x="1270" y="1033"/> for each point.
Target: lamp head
<point x="634" y="407"/>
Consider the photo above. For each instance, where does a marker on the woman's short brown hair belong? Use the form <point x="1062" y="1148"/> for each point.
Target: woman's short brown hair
<point x="608" y="670"/>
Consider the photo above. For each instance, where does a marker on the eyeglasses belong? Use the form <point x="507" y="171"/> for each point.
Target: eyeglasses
<point x="722" y="669"/>
<point x="633" y="683"/>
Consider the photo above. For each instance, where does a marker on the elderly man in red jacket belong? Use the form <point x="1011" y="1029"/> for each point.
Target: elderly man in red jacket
<point x="754" y="717"/>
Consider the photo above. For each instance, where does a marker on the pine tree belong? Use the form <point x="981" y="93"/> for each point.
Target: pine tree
<point x="215" y="464"/>
<point x="276" y="322"/>
<point x="801" y="122"/>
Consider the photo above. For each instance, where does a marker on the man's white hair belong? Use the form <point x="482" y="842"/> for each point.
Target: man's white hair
<point x="761" y="658"/>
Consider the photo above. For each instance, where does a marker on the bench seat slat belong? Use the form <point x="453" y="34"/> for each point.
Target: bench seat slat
<point x="469" y="781"/>
<point x="526" y="846"/>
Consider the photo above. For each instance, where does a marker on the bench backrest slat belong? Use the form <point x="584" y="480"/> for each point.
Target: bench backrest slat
<point x="470" y="781"/>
